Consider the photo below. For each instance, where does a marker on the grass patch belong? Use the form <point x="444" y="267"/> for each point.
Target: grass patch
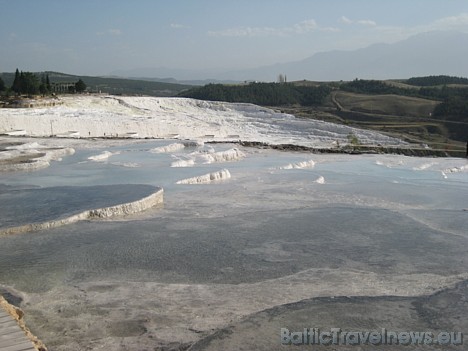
<point x="386" y="104"/>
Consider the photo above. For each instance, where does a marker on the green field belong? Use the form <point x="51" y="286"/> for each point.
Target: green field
<point x="404" y="117"/>
<point x="386" y="104"/>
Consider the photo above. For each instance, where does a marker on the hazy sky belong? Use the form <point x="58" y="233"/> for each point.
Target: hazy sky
<point x="100" y="36"/>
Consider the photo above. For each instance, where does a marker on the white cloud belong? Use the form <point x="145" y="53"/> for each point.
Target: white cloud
<point x="330" y="29"/>
<point x="178" y="26"/>
<point x="452" y="22"/>
<point x="376" y="33"/>
<point x="114" y="31"/>
<point x="298" y="28"/>
<point x="345" y="20"/>
<point x="458" y="23"/>
<point x="303" y="27"/>
<point x="367" y="23"/>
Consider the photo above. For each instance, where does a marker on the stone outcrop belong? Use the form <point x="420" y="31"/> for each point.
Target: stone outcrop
<point x="33" y="103"/>
<point x="300" y="165"/>
<point x="31" y="160"/>
<point x="207" y="178"/>
<point x="356" y="150"/>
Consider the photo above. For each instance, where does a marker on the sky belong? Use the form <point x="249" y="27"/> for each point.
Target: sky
<point x="99" y="37"/>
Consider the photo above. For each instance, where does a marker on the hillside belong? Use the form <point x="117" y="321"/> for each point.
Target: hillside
<point x="111" y="85"/>
<point x="433" y="115"/>
<point x="437" y="81"/>
<point x="387" y="104"/>
<point x="411" y="109"/>
<point x="272" y="94"/>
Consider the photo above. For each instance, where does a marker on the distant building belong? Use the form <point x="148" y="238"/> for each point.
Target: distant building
<point x="62" y="87"/>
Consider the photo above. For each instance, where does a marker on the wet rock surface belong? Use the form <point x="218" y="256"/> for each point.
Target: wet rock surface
<point x="443" y="311"/>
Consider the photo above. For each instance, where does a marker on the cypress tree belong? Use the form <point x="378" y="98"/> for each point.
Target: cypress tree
<point x="16" y="87"/>
<point x="48" y="86"/>
<point x="2" y="85"/>
<point x="80" y="86"/>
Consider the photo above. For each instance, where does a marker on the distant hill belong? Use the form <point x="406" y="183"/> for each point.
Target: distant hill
<point x="176" y="76"/>
<point x="112" y="85"/>
<point x="431" y="53"/>
<point x="199" y="82"/>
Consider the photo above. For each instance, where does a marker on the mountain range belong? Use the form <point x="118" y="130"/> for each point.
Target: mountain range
<point x="430" y="53"/>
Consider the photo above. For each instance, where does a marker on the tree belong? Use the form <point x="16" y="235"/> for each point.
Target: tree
<point x="25" y="83"/>
<point x="353" y="139"/>
<point x="43" y="87"/>
<point x="16" y="87"/>
<point x="2" y="85"/>
<point x="29" y="83"/>
<point x="267" y="94"/>
<point x="48" y="86"/>
<point x="80" y="86"/>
